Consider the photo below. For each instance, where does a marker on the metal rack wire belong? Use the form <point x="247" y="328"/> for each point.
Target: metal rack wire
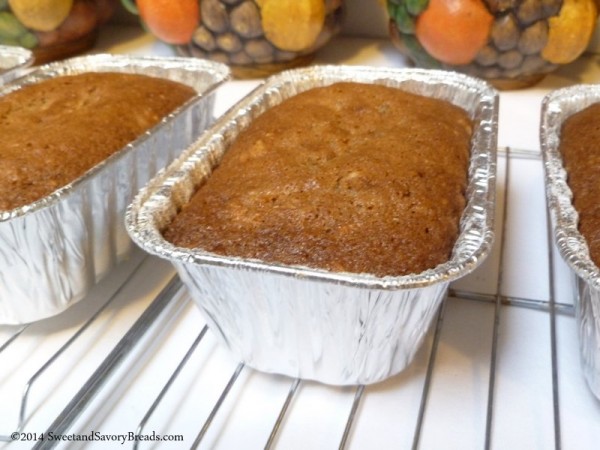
<point x="172" y="294"/>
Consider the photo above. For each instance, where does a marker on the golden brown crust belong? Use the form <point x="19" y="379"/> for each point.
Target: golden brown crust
<point x="579" y="140"/>
<point x="352" y="177"/>
<point x="55" y="130"/>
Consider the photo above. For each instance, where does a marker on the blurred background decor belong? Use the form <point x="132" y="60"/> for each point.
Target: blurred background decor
<point x="511" y="43"/>
<point x="254" y="37"/>
<point x="53" y="29"/>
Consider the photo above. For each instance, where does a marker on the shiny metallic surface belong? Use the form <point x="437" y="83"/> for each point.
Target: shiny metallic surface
<point x="13" y="60"/>
<point x="53" y="250"/>
<point x="337" y="328"/>
<point x="556" y="108"/>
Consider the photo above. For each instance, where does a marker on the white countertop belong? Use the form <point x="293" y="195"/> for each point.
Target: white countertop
<point x="457" y="407"/>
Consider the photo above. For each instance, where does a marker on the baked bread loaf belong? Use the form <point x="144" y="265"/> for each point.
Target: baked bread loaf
<point x="578" y="146"/>
<point x="55" y="130"/>
<point x="351" y="177"/>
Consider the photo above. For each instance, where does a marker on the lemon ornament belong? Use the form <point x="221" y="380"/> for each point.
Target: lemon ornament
<point x="570" y="31"/>
<point x="41" y="15"/>
<point x="292" y="25"/>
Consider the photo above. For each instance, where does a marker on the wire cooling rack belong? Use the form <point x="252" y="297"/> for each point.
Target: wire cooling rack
<point x="500" y="367"/>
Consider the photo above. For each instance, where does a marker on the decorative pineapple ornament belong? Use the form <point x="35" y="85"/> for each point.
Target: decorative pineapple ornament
<point x="511" y="43"/>
<point x="254" y="37"/>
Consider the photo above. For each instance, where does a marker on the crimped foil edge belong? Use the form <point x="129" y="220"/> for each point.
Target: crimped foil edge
<point x="335" y="328"/>
<point x="13" y="60"/>
<point x="217" y="73"/>
<point x="476" y="237"/>
<point x="52" y="251"/>
<point x="557" y="107"/>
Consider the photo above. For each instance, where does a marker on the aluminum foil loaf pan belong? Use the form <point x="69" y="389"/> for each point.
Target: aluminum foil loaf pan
<point x="336" y="328"/>
<point x="13" y="60"/>
<point x="556" y="108"/>
<point x="53" y="250"/>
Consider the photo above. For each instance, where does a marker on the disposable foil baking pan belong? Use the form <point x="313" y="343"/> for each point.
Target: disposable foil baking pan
<point x="336" y="328"/>
<point x="556" y="108"/>
<point x="53" y="250"/>
<point x="13" y="60"/>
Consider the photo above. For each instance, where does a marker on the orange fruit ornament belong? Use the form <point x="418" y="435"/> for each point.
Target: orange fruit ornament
<point x="453" y="31"/>
<point x="173" y="22"/>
